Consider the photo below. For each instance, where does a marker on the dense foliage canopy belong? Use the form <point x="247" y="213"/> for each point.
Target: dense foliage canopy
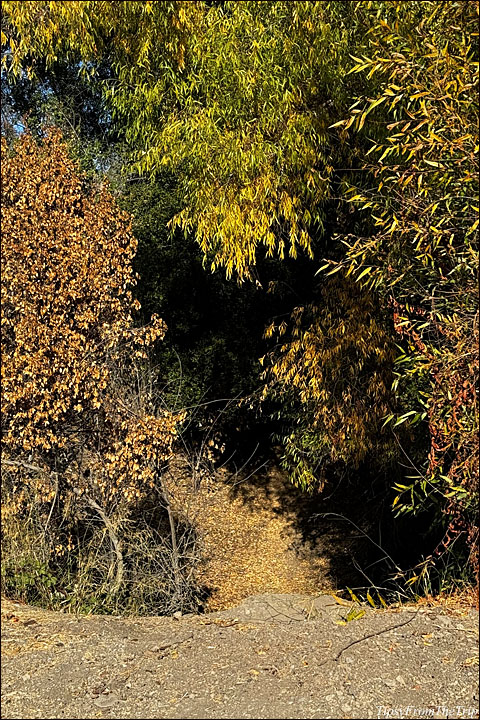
<point x="324" y="157"/>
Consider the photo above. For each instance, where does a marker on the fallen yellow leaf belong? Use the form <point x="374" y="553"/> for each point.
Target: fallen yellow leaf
<point x="341" y="601"/>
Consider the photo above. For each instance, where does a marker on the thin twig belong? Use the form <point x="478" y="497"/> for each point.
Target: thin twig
<point x="366" y="637"/>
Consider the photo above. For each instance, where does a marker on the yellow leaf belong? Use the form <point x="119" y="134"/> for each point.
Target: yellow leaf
<point x="382" y="601"/>
<point x="341" y="601"/>
<point x="337" y="124"/>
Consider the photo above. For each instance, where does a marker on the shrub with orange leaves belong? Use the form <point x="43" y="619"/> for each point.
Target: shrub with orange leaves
<point x="79" y="423"/>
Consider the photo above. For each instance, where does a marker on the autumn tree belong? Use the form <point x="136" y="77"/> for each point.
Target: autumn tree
<point x="235" y="100"/>
<point x="80" y="427"/>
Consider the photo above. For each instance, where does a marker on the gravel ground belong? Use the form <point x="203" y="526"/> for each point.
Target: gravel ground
<point x="274" y="656"/>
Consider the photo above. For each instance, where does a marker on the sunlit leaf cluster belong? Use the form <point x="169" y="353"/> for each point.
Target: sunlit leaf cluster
<point x="234" y="98"/>
<point x="335" y="360"/>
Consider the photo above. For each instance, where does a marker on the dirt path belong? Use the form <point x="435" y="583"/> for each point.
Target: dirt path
<point x="274" y="656"/>
<point x="252" y="539"/>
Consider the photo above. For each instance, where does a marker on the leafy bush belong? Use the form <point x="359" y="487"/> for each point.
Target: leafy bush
<point x="419" y="249"/>
<point x="84" y="436"/>
<point x="335" y="365"/>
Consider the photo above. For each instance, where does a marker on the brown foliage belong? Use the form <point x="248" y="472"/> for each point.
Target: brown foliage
<point x="77" y="421"/>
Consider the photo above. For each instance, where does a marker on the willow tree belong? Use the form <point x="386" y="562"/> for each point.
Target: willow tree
<point x="419" y="248"/>
<point x="332" y="364"/>
<point x="234" y="98"/>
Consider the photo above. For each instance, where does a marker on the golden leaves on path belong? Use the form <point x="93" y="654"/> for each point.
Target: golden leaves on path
<point x="248" y="545"/>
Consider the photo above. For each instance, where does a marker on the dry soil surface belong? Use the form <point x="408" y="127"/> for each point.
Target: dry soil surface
<point x="273" y="656"/>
